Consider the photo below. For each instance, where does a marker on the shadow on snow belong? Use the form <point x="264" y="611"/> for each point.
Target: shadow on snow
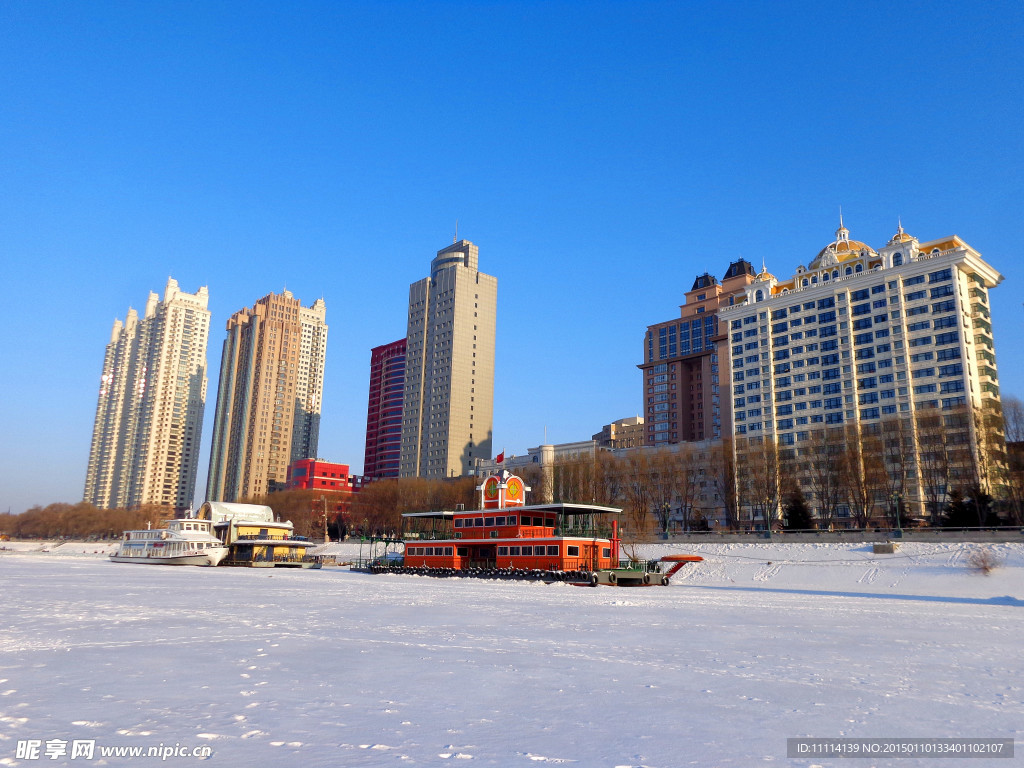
<point x="1003" y="600"/>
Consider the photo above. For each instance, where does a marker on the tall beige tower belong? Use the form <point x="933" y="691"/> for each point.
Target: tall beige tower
<point x="149" y="413"/>
<point x="269" y="396"/>
<point x="448" y="407"/>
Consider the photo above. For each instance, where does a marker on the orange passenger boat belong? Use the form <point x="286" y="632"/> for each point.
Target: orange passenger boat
<point x="506" y="538"/>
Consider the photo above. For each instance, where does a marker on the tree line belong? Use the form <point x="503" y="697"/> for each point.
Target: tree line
<point x="944" y="466"/>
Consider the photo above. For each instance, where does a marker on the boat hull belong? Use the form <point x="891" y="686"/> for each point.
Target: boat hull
<point x="202" y="560"/>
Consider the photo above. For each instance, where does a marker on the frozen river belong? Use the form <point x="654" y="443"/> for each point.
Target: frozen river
<point x="331" y="668"/>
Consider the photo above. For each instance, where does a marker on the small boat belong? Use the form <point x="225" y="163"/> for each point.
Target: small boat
<point x="185" y="541"/>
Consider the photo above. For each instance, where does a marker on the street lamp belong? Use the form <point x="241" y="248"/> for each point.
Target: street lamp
<point x="896" y="512"/>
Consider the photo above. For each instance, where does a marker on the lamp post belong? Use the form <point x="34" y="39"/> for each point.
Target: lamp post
<point x="362" y="538"/>
<point x="898" y="533"/>
<point x="327" y="538"/>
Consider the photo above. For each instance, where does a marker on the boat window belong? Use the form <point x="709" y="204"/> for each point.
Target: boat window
<point x="501" y="550"/>
<point x="572" y="551"/>
<point x="553" y="550"/>
<point x="463" y="551"/>
<point x="511" y="519"/>
<point x="448" y="550"/>
<point x="479" y="522"/>
<point x="606" y="552"/>
<point x="528" y="551"/>
<point x="458" y="522"/>
<point x="514" y="551"/>
<point x="489" y="521"/>
<point x="499" y="521"/>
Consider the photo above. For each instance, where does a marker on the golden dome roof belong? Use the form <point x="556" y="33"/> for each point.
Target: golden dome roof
<point x="840" y="249"/>
<point x="900" y="236"/>
<point x="845" y="249"/>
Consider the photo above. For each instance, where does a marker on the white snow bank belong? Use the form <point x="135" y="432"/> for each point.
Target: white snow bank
<point x="328" y="668"/>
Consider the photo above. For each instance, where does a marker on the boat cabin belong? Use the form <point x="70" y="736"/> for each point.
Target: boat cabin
<point x="505" y="533"/>
<point x="254" y="537"/>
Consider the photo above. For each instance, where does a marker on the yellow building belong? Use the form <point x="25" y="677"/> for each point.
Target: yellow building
<point x="255" y="538"/>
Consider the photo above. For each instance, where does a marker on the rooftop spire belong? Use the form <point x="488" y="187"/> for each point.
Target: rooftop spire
<point x="842" y="233"/>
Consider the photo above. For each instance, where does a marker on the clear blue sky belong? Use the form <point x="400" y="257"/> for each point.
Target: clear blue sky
<point x="600" y="154"/>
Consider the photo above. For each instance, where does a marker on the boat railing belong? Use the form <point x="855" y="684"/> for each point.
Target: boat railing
<point x="290" y="558"/>
<point x="584" y="531"/>
<point x="534" y="533"/>
<point x="643" y="566"/>
<point x="268" y="537"/>
<point x="429" y="535"/>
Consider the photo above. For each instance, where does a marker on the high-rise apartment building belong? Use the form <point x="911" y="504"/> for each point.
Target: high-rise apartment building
<point x="448" y="407"/>
<point x="269" y="396"/>
<point x="893" y="345"/>
<point x="149" y="413"/>
<point x="683" y="400"/>
<point x="384" y="411"/>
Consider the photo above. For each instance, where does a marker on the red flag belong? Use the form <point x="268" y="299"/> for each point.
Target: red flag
<point x="501" y="458"/>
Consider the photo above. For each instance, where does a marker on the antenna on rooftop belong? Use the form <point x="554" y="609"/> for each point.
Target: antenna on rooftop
<point x="456" y="238"/>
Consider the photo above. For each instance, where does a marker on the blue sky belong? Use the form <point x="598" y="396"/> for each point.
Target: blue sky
<point x="600" y="154"/>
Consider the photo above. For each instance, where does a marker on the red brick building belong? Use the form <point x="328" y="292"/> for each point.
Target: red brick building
<point x="334" y="480"/>
<point x="384" y="411"/>
<point x="683" y="401"/>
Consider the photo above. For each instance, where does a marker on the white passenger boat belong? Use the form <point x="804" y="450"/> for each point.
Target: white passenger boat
<point x="185" y="541"/>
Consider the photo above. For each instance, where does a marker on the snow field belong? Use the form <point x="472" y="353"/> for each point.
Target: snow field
<point x="315" y="668"/>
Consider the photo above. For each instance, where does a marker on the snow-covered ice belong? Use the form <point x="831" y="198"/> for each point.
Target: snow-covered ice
<point x="332" y="668"/>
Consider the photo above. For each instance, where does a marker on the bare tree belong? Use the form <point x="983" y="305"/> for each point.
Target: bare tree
<point x="1013" y="468"/>
<point x="898" y="457"/>
<point x="758" y="472"/>
<point x="574" y="478"/>
<point x="607" y="477"/>
<point x="863" y="472"/>
<point x="662" y="484"/>
<point x="825" y="453"/>
<point x="81" y="521"/>
<point x="722" y="471"/>
<point x="635" y="480"/>
<point x="932" y="460"/>
<point x="689" y="472"/>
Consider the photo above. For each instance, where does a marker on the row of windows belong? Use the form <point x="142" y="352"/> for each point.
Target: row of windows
<point x="499" y="521"/>
<point x="434" y="551"/>
<point x="528" y="551"/>
<point x="480" y="522"/>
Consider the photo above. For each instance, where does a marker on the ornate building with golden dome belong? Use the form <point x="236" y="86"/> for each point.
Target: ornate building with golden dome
<point x="889" y="347"/>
